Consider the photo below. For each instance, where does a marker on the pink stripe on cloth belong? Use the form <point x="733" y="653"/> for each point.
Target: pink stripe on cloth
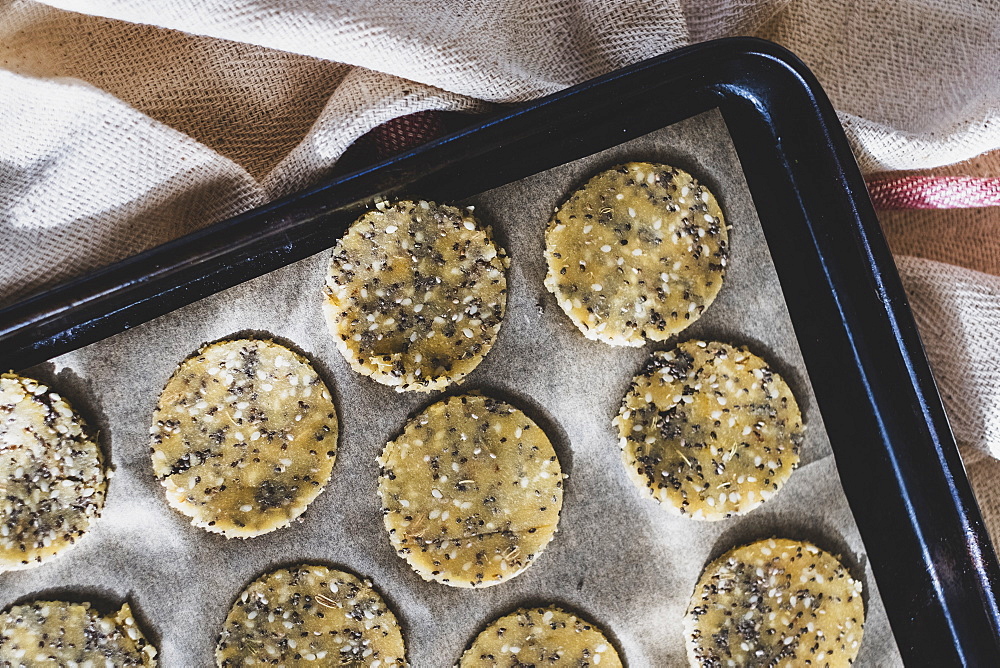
<point x="934" y="192"/>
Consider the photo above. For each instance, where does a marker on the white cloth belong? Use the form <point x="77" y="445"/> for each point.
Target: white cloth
<point x="958" y="314"/>
<point x="135" y="121"/>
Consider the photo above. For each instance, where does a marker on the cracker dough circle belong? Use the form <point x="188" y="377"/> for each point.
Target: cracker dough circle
<point x="244" y="437"/>
<point x="541" y="637"/>
<point x="471" y="491"/>
<point x="51" y="473"/>
<point x="57" y="633"/>
<point x="710" y="430"/>
<point x="415" y="294"/>
<point x="310" y="615"/>
<point x="637" y="253"/>
<point x="785" y="600"/>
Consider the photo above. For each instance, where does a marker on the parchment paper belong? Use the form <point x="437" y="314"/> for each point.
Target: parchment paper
<point x="618" y="558"/>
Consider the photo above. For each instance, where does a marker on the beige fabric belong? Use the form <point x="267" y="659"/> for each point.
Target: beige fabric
<point x="137" y="121"/>
<point x="90" y="180"/>
<point x="958" y="313"/>
<point x="915" y="81"/>
<point x="249" y="104"/>
<point x="498" y="51"/>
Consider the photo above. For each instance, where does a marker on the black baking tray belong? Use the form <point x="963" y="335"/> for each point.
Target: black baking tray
<point x="898" y="462"/>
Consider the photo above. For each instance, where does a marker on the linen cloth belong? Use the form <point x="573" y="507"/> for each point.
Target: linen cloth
<point x="125" y="123"/>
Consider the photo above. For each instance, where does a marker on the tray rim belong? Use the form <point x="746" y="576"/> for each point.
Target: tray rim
<point x="941" y="600"/>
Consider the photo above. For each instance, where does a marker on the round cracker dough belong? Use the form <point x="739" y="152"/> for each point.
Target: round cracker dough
<point x="52" y="478"/>
<point x="471" y="491"/>
<point x="310" y="615"/>
<point x="777" y="602"/>
<point x="541" y="637"/>
<point x="244" y="437"/>
<point x="56" y="633"/>
<point x="710" y="430"/>
<point x="415" y="294"/>
<point x="637" y="253"/>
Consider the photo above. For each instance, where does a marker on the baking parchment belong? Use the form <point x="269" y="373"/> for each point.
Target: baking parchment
<point x="618" y="558"/>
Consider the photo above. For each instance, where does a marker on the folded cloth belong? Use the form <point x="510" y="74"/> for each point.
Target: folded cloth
<point x="124" y="123"/>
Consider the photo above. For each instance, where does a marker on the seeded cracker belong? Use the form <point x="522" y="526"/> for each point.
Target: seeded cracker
<point x="52" y="479"/>
<point x="244" y="437"/>
<point x="56" y="633"/>
<point x="710" y="430"/>
<point x="310" y="615"/>
<point x="541" y="637"/>
<point x="637" y="253"/>
<point x="415" y="294"/>
<point x="471" y="492"/>
<point x="777" y="602"/>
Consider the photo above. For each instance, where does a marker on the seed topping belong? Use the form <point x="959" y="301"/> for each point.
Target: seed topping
<point x="417" y="308"/>
<point x="471" y="491"/>
<point x="310" y="615"/>
<point x="709" y="430"/>
<point x="244" y="437"/>
<point x="776" y="602"/>
<point x="632" y="257"/>
<point x="52" y="477"/>
<point x="544" y="636"/>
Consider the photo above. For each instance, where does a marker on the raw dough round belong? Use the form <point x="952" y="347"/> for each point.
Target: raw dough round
<point x="709" y="430"/>
<point x="541" y="637"/>
<point x="309" y="615"/>
<point x="471" y="491"/>
<point x="244" y="437"/>
<point x="777" y="602"/>
<point x="415" y="294"/>
<point x="52" y="478"/>
<point x="56" y="633"/>
<point x="637" y="253"/>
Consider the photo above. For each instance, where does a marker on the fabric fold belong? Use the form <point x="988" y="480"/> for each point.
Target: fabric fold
<point x="365" y="99"/>
<point x="87" y="180"/>
<point x="494" y="51"/>
<point x="958" y="314"/>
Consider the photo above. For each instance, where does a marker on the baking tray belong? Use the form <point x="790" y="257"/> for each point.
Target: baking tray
<point x="897" y="459"/>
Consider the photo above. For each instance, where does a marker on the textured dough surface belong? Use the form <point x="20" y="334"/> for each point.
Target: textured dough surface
<point x="471" y="491"/>
<point x="415" y="294"/>
<point x="310" y="615"/>
<point x="244" y="437"/>
<point x="541" y="637"/>
<point x="52" y="479"/>
<point x="637" y="253"/>
<point x="710" y="430"/>
<point x="777" y="602"/>
<point x="56" y="633"/>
